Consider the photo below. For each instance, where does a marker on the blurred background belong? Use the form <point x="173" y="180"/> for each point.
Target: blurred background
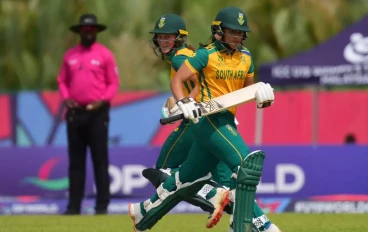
<point x="314" y="53"/>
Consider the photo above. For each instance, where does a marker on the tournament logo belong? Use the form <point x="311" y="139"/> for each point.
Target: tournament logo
<point x="161" y="24"/>
<point x="356" y="51"/>
<point x="43" y="180"/>
<point x="241" y="19"/>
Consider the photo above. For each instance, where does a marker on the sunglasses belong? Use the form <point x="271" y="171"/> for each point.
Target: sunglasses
<point x="89" y="29"/>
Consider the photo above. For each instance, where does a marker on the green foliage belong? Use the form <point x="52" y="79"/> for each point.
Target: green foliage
<point x="34" y="34"/>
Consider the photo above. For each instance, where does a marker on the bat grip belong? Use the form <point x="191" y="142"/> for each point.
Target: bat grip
<point x="164" y="121"/>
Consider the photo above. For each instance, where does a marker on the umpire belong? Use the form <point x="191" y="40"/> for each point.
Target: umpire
<point x="88" y="80"/>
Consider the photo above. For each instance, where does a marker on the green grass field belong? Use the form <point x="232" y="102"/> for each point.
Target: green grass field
<point x="179" y="223"/>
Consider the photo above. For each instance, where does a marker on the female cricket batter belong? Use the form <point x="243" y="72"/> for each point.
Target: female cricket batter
<point x="169" y="42"/>
<point x="222" y="67"/>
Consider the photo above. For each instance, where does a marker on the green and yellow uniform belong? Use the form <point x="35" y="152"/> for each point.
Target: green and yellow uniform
<point x="216" y="136"/>
<point x="217" y="143"/>
<point x="220" y="72"/>
<point x="176" y="147"/>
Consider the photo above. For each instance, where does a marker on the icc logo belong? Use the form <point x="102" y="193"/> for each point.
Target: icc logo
<point x="356" y="51"/>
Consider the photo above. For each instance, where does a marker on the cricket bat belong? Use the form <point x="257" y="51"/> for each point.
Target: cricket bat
<point x="221" y="103"/>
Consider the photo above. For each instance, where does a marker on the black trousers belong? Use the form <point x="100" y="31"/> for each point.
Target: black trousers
<point x="88" y="129"/>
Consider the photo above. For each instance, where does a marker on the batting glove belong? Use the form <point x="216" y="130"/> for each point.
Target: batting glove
<point x="190" y="109"/>
<point x="265" y="96"/>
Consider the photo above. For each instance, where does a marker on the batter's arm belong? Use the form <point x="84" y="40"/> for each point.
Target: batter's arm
<point x="248" y="81"/>
<point x="193" y="94"/>
<point x="182" y="75"/>
<point x="189" y="69"/>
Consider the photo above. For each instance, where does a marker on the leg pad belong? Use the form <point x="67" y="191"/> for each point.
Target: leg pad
<point x="156" y="213"/>
<point x="248" y="177"/>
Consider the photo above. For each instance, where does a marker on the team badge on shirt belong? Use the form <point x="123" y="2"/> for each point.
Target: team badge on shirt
<point x="241" y="19"/>
<point x="221" y="62"/>
<point x="232" y="131"/>
<point x="95" y="62"/>
<point x="243" y="60"/>
<point x="72" y="62"/>
<point x="161" y="24"/>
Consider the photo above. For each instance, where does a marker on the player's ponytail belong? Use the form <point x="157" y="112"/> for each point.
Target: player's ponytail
<point x="190" y="47"/>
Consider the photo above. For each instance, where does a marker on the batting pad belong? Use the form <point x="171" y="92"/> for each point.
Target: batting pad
<point x="156" y="213"/>
<point x="200" y="202"/>
<point x="157" y="177"/>
<point x="248" y="177"/>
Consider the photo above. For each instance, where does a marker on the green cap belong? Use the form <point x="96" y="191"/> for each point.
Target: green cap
<point x="170" y="24"/>
<point x="233" y="18"/>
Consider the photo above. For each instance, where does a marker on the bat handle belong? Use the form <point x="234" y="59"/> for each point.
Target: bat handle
<point x="164" y="121"/>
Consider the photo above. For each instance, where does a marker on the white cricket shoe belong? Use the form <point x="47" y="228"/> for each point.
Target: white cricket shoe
<point x="135" y="214"/>
<point x="219" y="202"/>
